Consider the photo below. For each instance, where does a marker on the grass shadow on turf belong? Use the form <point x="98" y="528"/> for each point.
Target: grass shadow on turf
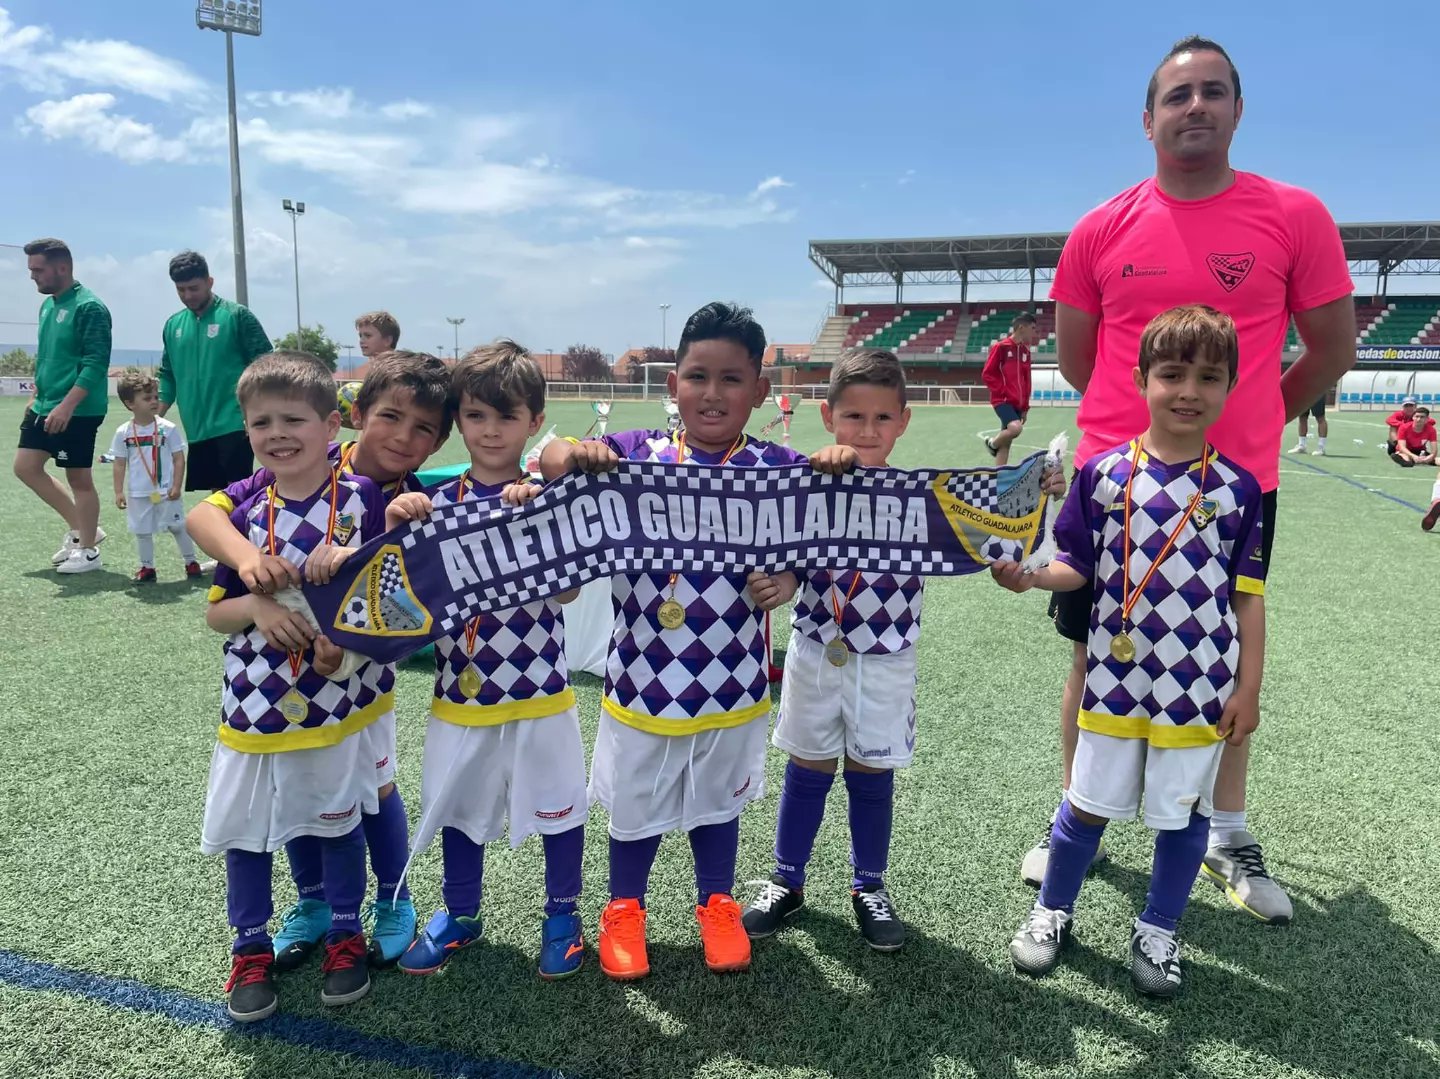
<point x="93" y="583"/>
<point x="164" y="593"/>
<point x="1243" y="987"/>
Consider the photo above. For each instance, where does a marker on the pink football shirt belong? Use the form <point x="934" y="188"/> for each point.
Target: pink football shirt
<point x="1260" y="251"/>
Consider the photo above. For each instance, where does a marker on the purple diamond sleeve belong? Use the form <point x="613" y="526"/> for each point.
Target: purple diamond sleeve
<point x="1077" y="528"/>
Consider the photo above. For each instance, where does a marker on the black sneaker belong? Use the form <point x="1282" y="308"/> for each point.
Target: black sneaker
<point x="250" y="989"/>
<point x="347" y="978"/>
<point x="768" y="910"/>
<point x="1155" y="961"/>
<point x="1037" y="944"/>
<point x="880" y="925"/>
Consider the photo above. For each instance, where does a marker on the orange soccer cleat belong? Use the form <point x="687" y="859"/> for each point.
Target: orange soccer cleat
<point x="727" y="946"/>
<point x="622" y="940"/>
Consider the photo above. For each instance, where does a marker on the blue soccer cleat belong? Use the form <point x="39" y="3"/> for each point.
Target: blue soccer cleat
<point x="392" y="930"/>
<point x="444" y="935"/>
<point x="562" y="946"/>
<point x="302" y="929"/>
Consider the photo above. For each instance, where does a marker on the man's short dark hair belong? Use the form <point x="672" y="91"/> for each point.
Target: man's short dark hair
<point x="1193" y="43"/>
<point x="718" y="321"/>
<point x="187" y="266"/>
<point x="1024" y="318"/>
<point x="54" y="250"/>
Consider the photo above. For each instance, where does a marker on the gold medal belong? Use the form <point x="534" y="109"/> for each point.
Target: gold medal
<point x="294" y="707"/>
<point x="836" y="652"/>
<point x="671" y="614"/>
<point x="156" y="497"/>
<point x="1122" y="647"/>
<point x="470" y="683"/>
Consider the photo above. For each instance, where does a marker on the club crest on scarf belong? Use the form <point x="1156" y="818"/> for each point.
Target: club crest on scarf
<point x="381" y="600"/>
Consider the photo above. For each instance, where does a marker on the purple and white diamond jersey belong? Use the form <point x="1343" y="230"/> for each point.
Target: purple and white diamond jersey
<point x="342" y="454"/>
<point x="258" y="677"/>
<point x="882" y="616"/>
<point x="1183" y="626"/>
<point x="519" y="652"/>
<point x="711" y="672"/>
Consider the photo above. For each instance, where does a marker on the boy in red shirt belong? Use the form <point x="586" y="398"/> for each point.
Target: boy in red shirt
<point x="1007" y="374"/>
<point x="1415" y="440"/>
<point x="1393" y="421"/>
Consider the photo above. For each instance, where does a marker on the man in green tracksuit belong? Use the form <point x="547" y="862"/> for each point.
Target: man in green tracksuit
<point x="206" y="346"/>
<point x="72" y="367"/>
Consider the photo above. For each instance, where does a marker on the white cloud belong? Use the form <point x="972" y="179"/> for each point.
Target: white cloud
<point x="323" y="101"/>
<point x="770" y="184"/>
<point x="406" y="110"/>
<point x="908" y="175"/>
<point x="30" y="54"/>
<point x="87" y="118"/>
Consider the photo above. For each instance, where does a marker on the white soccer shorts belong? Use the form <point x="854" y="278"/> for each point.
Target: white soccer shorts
<point x="260" y="801"/>
<point x="380" y="739"/>
<point x="864" y="710"/>
<point x="655" y="783"/>
<point x="529" y="772"/>
<point x="1110" y="775"/>
<point x="145" y="518"/>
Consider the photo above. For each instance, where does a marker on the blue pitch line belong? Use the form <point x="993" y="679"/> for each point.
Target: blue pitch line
<point x="1358" y="484"/>
<point x="294" y="1030"/>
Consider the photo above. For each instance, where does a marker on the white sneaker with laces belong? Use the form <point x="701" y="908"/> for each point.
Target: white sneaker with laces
<point x="81" y="560"/>
<point x="1298" y="448"/>
<point x="1155" y="961"/>
<point x="72" y="541"/>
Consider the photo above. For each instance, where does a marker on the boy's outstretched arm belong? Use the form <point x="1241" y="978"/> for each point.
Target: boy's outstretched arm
<point x="563" y="456"/>
<point x="1242" y="710"/>
<point x="1056" y="577"/>
<point x="210" y="527"/>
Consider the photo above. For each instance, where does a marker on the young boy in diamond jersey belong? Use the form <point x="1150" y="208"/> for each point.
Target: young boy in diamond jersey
<point x="1170" y="533"/>
<point x="849" y="685"/>
<point x="292" y="759"/>
<point x="404" y="412"/>
<point x="681" y="740"/>
<point x="502" y="747"/>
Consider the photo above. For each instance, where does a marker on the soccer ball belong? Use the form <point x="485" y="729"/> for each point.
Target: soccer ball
<point x="345" y="395"/>
<point x="356" y="614"/>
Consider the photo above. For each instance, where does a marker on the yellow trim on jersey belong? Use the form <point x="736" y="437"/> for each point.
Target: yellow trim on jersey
<point x="215" y="594"/>
<point x="711" y="721"/>
<point x="493" y="715"/>
<point x="332" y="734"/>
<point x="1159" y="735"/>
<point x="1250" y="586"/>
<point x="222" y="500"/>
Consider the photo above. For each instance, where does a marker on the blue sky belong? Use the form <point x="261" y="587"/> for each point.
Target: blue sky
<point x="555" y="172"/>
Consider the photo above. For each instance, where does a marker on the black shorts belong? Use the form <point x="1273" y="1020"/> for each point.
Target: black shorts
<point x="1008" y="413"/>
<point x="215" y="463"/>
<point x="1071" y="610"/>
<point x="1317" y="409"/>
<point x="73" y="447"/>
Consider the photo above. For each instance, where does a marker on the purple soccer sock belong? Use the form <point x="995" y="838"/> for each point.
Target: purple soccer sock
<point x="247" y="898"/>
<point x="564" y="853"/>
<point x="464" y="861"/>
<point x="1073" y="844"/>
<point x="630" y="862"/>
<point x="306" y="868"/>
<point x="387" y="834"/>
<point x="802" y="808"/>
<point x="344" y="860"/>
<point x="715" y="847"/>
<point x="1178" y="854"/>
<point x="872" y="810"/>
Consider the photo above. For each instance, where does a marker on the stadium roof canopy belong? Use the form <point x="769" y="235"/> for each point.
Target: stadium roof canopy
<point x="1382" y="249"/>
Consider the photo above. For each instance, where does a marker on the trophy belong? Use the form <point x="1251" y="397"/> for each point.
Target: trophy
<point x="672" y="416"/>
<point x="786" y="403"/>
<point x="602" y="418"/>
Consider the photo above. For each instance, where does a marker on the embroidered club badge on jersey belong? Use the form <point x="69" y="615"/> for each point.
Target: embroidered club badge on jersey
<point x="1230" y="270"/>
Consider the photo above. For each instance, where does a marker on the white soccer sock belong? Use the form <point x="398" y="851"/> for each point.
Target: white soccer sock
<point x="185" y="543"/>
<point x="1224" y="825"/>
<point x="1321" y="440"/>
<point x="145" y="544"/>
<point x="1302" y="441"/>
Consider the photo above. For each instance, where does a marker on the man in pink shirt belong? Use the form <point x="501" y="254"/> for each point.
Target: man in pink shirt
<point x="1261" y="251"/>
